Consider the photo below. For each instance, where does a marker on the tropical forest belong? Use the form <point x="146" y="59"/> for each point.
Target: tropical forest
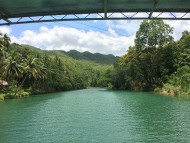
<point x="156" y="63"/>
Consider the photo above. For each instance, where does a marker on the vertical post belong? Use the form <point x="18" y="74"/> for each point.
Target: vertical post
<point x="105" y="9"/>
<point x="154" y="6"/>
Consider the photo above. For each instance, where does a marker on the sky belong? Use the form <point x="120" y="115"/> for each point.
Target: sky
<point x="106" y="37"/>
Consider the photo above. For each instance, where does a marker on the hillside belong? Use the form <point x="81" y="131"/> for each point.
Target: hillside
<point x="97" y="57"/>
<point x="30" y="70"/>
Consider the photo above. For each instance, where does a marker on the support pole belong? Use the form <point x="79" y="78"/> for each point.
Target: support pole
<point x="155" y="4"/>
<point x="105" y="9"/>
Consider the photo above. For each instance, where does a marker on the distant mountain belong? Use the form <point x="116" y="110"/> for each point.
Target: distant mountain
<point x="97" y="57"/>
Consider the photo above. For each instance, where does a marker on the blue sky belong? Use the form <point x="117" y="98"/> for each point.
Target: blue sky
<point x="99" y="26"/>
<point x="106" y="37"/>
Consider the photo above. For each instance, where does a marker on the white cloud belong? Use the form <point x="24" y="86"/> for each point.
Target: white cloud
<point x="63" y="38"/>
<point x="112" y="32"/>
<point x="127" y="27"/>
<point x="179" y="27"/>
<point x="131" y="26"/>
<point x="5" y="30"/>
<point x="112" y="42"/>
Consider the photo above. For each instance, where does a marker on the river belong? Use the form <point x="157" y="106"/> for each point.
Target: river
<point x="97" y="116"/>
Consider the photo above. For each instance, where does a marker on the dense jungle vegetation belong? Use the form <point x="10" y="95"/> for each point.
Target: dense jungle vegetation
<point x="29" y="70"/>
<point x="155" y="63"/>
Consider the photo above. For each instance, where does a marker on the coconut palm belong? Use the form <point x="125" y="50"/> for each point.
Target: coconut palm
<point x="1" y="40"/>
<point x="4" y="45"/>
<point x="12" y="69"/>
<point x="33" y="68"/>
<point x="42" y="71"/>
<point x="5" y="40"/>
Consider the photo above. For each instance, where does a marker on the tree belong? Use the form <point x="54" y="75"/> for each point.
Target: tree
<point x="184" y="42"/>
<point x="33" y="68"/>
<point x="5" y="40"/>
<point x="3" y="53"/>
<point x="153" y="34"/>
<point x="145" y="66"/>
<point x="12" y="68"/>
<point x="4" y="44"/>
<point x="184" y="33"/>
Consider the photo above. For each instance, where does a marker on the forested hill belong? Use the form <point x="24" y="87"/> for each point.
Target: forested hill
<point x="97" y="57"/>
<point x="29" y="70"/>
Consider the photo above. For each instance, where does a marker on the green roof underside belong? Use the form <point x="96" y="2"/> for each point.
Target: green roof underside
<point x="24" y="8"/>
<point x="35" y="11"/>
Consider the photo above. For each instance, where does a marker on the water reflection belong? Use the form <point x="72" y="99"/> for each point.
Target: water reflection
<point x="19" y="115"/>
<point x="95" y="115"/>
<point x="156" y="118"/>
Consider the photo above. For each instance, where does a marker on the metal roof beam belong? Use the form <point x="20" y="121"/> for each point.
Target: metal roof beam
<point x="97" y="16"/>
<point x="101" y="18"/>
<point x="155" y="4"/>
<point x="3" y="15"/>
<point x="7" y="20"/>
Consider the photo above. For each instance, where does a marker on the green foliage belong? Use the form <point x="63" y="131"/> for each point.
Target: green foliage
<point x="29" y="70"/>
<point x="12" y="69"/>
<point x="13" y="90"/>
<point x="153" y="34"/>
<point x="97" y="58"/>
<point x="170" y="89"/>
<point x="110" y="86"/>
<point x="25" y="94"/>
<point x="179" y="83"/>
<point x="2" y="96"/>
<point x="156" y="62"/>
<point x="157" y="89"/>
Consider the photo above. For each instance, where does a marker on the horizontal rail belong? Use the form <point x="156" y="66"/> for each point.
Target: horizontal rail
<point x="96" y="16"/>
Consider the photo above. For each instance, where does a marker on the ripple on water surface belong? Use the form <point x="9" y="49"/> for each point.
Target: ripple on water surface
<point x="95" y="115"/>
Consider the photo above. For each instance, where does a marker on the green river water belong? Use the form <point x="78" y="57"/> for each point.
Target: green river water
<point x="97" y="116"/>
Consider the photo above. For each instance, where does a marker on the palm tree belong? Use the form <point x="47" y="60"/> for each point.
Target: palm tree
<point x="1" y="40"/>
<point x="42" y="71"/>
<point x="33" y="69"/>
<point x="12" y="69"/>
<point x="5" y="40"/>
<point x="3" y="52"/>
<point x="4" y="45"/>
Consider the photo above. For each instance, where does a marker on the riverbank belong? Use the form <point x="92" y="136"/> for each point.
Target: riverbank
<point x="162" y="91"/>
<point x="2" y="97"/>
<point x="26" y="93"/>
<point x="20" y="93"/>
<point x="174" y="92"/>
